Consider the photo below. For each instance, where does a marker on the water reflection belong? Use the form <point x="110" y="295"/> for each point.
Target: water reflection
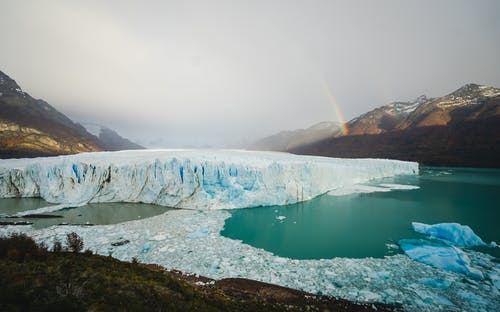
<point x="98" y="213"/>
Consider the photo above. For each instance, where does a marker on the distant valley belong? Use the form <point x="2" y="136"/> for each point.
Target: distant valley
<point x="458" y="129"/>
<point x="31" y="127"/>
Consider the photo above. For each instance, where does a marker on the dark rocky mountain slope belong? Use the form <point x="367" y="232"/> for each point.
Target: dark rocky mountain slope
<point x="110" y="139"/>
<point x="31" y="127"/>
<point x="459" y="129"/>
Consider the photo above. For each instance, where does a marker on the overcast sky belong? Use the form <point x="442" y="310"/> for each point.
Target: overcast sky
<point x="215" y="72"/>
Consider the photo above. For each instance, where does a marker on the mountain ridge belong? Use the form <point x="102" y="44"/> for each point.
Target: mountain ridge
<point x="286" y="140"/>
<point x="32" y="127"/>
<point x="109" y="138"/>
<point x="461" y="128"/>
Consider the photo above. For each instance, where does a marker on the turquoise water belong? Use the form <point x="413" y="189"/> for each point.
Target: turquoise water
<point x="363" y="225"/>
<point x="105" y="213"/>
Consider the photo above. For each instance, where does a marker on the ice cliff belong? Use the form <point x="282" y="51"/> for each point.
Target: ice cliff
<point x="198" y="179"/>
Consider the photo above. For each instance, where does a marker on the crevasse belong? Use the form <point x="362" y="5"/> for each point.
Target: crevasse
<point x="196" y="179"/>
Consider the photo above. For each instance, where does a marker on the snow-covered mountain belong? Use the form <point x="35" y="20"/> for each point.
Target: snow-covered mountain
<point x="466" y="103"/>
<point x="384" y="118"/>
<point x="458" y="129"/>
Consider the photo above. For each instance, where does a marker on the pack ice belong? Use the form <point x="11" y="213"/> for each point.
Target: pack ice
<point x="195" y="179"/>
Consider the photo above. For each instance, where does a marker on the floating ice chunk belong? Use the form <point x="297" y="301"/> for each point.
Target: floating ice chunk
<point x="471" y="297"/>
<point x="159" y="237"/>
<point x="439" y="255"/>
<point x="400" y="186"/>
<point x="369" y="296"/>
<point x="200" y="233"/>
<point x="280" y="218"/>
<point x="146" y="248"/>
<point x="213" y="268"/>
<point x="392" y="246"/>
<point x="357" y="188"/>
<point x="361" y="188"/>
<point x="382" y="275"/>
<point x="454" y="233"/>
<point x="495" y="278"/>
<point x="436" y="282"/>
<point x="48" y="209"/>
<point x="433" y="299"/>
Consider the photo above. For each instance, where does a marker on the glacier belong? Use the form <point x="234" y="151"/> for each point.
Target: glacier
<point x="192" y="179"/>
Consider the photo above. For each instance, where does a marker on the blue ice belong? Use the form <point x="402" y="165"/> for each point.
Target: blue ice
<point x="146" y="248"/>
<point x="439" y="255"/>
<point x="435" y="282"/>
<point x="454" y="233"/>
<point x="200" y="233"/>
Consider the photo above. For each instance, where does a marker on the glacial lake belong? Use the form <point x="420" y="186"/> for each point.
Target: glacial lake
<point x="101" y="213"/>
<point x="370" y="224"/>
<point x="355" y="226"/>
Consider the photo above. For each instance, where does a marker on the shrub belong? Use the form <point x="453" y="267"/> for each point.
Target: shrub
<point x="20" y="247"/>
<point x="57" y="247"/>
<point x="75" y="242"/>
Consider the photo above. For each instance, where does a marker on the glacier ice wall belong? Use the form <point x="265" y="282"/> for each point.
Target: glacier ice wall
<point x="198" y="179"/>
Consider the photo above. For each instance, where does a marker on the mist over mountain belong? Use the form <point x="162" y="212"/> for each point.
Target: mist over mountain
<point x="287" y="140"/>
<point x="109" y="138"/>
<point x="31" y="127"/>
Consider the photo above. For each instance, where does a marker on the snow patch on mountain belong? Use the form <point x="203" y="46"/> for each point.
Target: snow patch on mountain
<point x="92" y="128"/>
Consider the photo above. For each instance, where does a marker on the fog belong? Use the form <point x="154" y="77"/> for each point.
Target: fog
<point x="220" y="73"/>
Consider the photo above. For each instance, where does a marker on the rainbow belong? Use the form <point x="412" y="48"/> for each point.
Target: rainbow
<point x="336" y="107"/>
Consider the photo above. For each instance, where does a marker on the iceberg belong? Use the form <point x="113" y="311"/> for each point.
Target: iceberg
<point x="193" y="179"/>
<point x="360" y="188"/>
<point x="454" y="233"/>
<point x="439" y="255"/>
<point x="357" y="189"/>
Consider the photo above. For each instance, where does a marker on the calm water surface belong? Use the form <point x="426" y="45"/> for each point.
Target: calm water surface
<point x="104" y="213"/>
<point x="362" y="225"/>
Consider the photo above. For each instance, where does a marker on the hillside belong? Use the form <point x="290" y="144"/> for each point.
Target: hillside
<point x="31" y="127"/>
<point x="287" y="140"/>
<point x="110" y="139"/>
<point x="383" y="119"/>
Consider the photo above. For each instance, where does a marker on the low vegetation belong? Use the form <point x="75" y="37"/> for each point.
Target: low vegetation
<point x="34" y="278"/>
